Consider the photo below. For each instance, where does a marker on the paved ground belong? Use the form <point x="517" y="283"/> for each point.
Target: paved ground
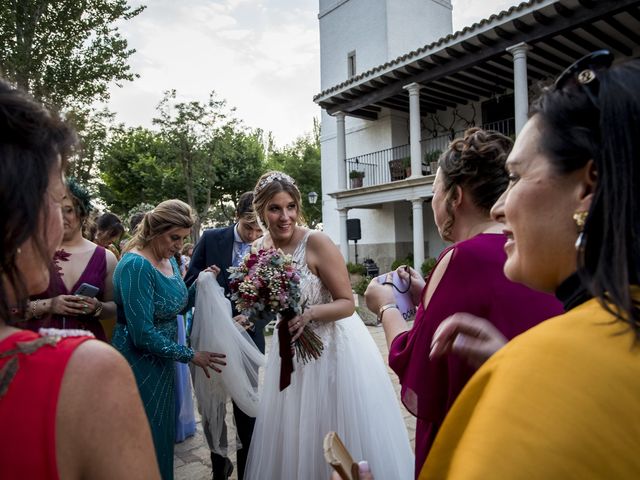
<point x="192" y="462"/>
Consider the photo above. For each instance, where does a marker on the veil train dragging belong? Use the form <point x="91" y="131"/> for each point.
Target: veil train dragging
<point x="215" y="331"/>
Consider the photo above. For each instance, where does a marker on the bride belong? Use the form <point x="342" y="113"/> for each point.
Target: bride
<point x="347" y="389"/>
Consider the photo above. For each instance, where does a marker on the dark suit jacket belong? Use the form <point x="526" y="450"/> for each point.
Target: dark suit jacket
<point x="215" y="247"/>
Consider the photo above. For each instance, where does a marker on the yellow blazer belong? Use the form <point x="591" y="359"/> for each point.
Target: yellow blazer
<point x="562" y="400"/>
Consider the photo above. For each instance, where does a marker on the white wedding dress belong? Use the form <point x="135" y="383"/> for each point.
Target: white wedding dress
<point x="346" y="390"/>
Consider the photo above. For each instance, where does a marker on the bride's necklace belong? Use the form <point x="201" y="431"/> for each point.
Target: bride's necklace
<point x="286" y="247"/>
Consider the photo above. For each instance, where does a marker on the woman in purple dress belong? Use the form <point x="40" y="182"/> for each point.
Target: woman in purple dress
<point x="78" y="261"/>
<point x="467" y="278"/>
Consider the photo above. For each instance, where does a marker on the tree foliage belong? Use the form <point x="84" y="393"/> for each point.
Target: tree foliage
<point x="196" y="132"/>
<point x="302" y="161"/>
<point x="136" y="168"/>
<point x="202" y="155"/>
<point x="65" y="52"/>
<point x="93" y="127"/>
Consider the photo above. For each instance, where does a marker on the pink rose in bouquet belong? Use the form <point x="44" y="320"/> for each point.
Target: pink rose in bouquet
<point x="266" y="284"/>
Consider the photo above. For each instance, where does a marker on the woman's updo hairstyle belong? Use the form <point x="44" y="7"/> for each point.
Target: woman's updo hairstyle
<point x="269" y="185"/>
<point x="166" y="216"/>
<point x="476" y="163"/>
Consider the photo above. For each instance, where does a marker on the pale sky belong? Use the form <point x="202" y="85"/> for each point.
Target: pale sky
<point x="262" y="56"/>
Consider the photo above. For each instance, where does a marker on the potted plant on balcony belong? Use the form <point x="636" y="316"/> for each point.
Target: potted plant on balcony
<point x="406" y="165"/>
<point x="356" y="177"/>
<point x="431" y="159"/>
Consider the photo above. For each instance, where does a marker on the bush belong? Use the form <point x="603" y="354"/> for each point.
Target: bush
<point x="356" y="268"/>
<point x="408" y="260"/>
<point x="427" y="266"/>
<point x="361" y="285"/>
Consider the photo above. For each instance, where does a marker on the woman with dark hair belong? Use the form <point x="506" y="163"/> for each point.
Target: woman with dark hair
<point x="467" y="278"/>
<point x="150" y="292"/>
<point x="109" y="231"/>
<point x="68" y="404"/>
<point x="76" y="262"/>
<point x="561" y="400"/>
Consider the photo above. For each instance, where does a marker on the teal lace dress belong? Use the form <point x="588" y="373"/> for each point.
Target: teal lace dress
<point x="146" y="334"/>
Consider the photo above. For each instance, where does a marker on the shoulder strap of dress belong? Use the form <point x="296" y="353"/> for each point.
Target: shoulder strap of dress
<point x="299" y="253"/>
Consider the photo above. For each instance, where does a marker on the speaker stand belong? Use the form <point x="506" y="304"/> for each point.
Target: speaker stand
<point x="356" y="245"/>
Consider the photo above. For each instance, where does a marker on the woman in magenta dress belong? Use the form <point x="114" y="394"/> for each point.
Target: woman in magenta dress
<point x="77" y="261"/>
<point x="467" y="278"/>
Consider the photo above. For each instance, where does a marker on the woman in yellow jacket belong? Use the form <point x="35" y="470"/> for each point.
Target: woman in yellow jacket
<point x="563" y="399"/>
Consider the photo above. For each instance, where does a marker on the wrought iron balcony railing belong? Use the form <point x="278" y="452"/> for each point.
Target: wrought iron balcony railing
<point x="392" y="164"/>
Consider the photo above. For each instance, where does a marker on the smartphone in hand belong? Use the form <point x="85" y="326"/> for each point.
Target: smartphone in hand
<point x="337" y="455"/>
<point x="87" y="290"/>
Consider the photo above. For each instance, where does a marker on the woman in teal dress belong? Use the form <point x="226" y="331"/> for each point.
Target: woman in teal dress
<point x="149" y="293"/>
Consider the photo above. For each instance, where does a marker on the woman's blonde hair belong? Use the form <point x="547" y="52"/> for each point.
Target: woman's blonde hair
<point x="167" y="215"/>
<point x="269" y="185"/>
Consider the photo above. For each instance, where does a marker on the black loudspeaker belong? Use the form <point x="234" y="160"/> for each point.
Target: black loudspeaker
<point x="353" y="229"/>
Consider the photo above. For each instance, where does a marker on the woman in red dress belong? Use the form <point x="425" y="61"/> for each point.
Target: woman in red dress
<point x="69" y="406"/>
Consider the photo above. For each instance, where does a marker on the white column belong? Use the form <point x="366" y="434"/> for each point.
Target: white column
<point x="414" y="129"/>
<point x="418" y="233"/>
<point x="344" y="243"/>
<point x="520" y="88"/>
<point x="341" y="151"/>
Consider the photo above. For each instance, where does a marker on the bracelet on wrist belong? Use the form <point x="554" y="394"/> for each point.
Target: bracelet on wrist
<point x="34" y="309"/>
<point x="384" y="308"/>
<point x="98" y="310"/>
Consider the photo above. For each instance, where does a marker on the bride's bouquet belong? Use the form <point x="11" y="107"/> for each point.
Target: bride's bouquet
<point x="266" y="284"/>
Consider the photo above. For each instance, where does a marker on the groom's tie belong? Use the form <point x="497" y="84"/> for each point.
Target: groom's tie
<point x="240" y="250"/>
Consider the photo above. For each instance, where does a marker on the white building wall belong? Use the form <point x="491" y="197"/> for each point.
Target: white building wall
<point x="348" y="25"/>
<point x="414" y="23"/>
<point x="378" y="31"/>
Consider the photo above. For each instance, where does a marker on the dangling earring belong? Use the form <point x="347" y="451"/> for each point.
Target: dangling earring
<point x="580" y="218"/>
<point x="18" y="250"/>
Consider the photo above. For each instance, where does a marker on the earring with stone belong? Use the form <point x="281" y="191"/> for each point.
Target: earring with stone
<point x="580" y="218"/>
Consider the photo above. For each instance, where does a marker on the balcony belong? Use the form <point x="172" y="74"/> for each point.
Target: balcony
<point x="393" y="164"/>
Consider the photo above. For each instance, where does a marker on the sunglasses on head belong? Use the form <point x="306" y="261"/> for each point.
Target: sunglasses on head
<point x="584" y="73"/>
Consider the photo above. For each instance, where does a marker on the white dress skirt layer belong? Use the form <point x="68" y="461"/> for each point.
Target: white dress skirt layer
<point x="346" y="390"/>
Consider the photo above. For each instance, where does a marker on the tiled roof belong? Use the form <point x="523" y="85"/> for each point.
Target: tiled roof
<point x="429" y="48"/>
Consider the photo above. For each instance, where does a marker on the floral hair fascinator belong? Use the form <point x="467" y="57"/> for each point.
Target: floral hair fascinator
<point x="283" y="177"/>
<point x="81" y="194"/>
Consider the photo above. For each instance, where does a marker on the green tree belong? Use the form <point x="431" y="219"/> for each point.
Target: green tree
<point x="239" y="162"/>
<point x="190" y="128"/>
<point x="215" y="157"/>
<point x="65" y="52"/>
<point x="302" y="161"/>
<point x="135" y="169"/>
<point x="93" y="127"/>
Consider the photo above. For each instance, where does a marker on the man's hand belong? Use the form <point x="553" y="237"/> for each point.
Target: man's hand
<point x="243" y="321"/>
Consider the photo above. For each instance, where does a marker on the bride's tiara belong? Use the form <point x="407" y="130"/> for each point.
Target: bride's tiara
<point x="274" y="176"/>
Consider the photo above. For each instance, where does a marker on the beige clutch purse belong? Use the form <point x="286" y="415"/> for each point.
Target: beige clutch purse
<point x="337" y="455"/>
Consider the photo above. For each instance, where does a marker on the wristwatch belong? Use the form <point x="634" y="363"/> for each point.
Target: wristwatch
<point x="384" y="308"/>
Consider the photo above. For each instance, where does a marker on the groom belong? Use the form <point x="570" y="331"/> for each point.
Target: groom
<point x="226" y="247"/>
